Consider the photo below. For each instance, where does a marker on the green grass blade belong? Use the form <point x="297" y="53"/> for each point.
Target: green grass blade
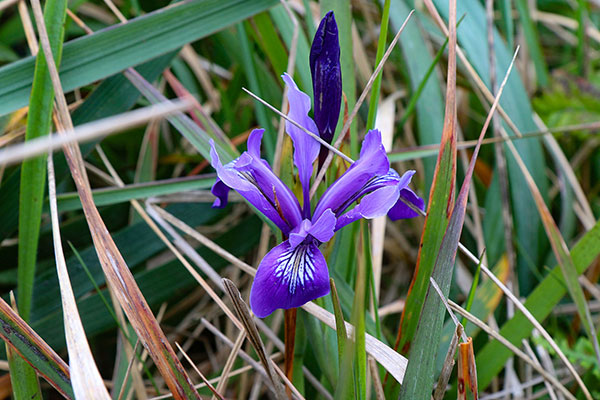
<point x="31" y="191"/>
<point x="581" y="14"/>
<point x="270" y="43"/>
<point x="373" y="102"/>
<point x="109" y="196"/>
<point x="107" y="52"/>
<point x="340" y="327"/>
<point x="507" y="22"/>
<point x="33" y="172"/>
<point x="23" y="378"/>
<point x="471" y="295"/>
<point x="533" y="42"/>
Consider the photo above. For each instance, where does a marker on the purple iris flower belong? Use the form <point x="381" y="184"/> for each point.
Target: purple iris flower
<point x="295" y="271"/>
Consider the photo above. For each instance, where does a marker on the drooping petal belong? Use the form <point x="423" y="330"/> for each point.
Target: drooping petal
<point x="254" y="180"/>
<point x="401" y="210"/>
<point x="289" y="277"/>
<point x="372" y="163"/>
<point x="221" y="192"/>
<point x="306" y="149"/>
<point x="326" y="76"/>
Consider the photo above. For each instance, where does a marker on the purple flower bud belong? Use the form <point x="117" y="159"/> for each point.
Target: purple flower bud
<point x="326" y="76"/>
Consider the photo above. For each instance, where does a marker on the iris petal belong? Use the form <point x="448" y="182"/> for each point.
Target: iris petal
<point x="252" y="178"/>
<point x="322" y="229"/>
<point x="373" y="163"/>
<point x="221" y="192"/>
<point x="289" y="277"/>
<point x="306" y="149"/>
<point x="401" y="211"/>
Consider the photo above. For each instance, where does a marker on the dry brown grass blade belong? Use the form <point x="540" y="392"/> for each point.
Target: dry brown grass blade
<point x="448" y="366"/>
<point x="85" y="378"/>
<point x="89" y="131"/>
<point x="531" y="354"/>
<point x="379" y="392"/>
<point x="247" y="321"/>
<point x="206" y="382"/>
<point x="587" y="217"/>
<point x="117" y="273"/>
<point x="28" y="28"/>
<point x="518" y="352"/>
<point x="237" y="345"/>
<point x="257" y="366"/>
<point x="467" y="371"/>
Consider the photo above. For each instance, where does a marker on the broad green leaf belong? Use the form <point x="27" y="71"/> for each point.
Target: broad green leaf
<point x="440" y="202"/>
<point x="437" y="251"/>
<point x="109" y="51"/>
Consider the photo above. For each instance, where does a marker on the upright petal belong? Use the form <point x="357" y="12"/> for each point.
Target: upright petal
<point x="252" y="178"/>
<point x="326" y="76"/>
<point x="306" y="149"/>
<point x="322" y="229"/>
<point x="373" y="163"/>
<point x="289" y="277"/>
